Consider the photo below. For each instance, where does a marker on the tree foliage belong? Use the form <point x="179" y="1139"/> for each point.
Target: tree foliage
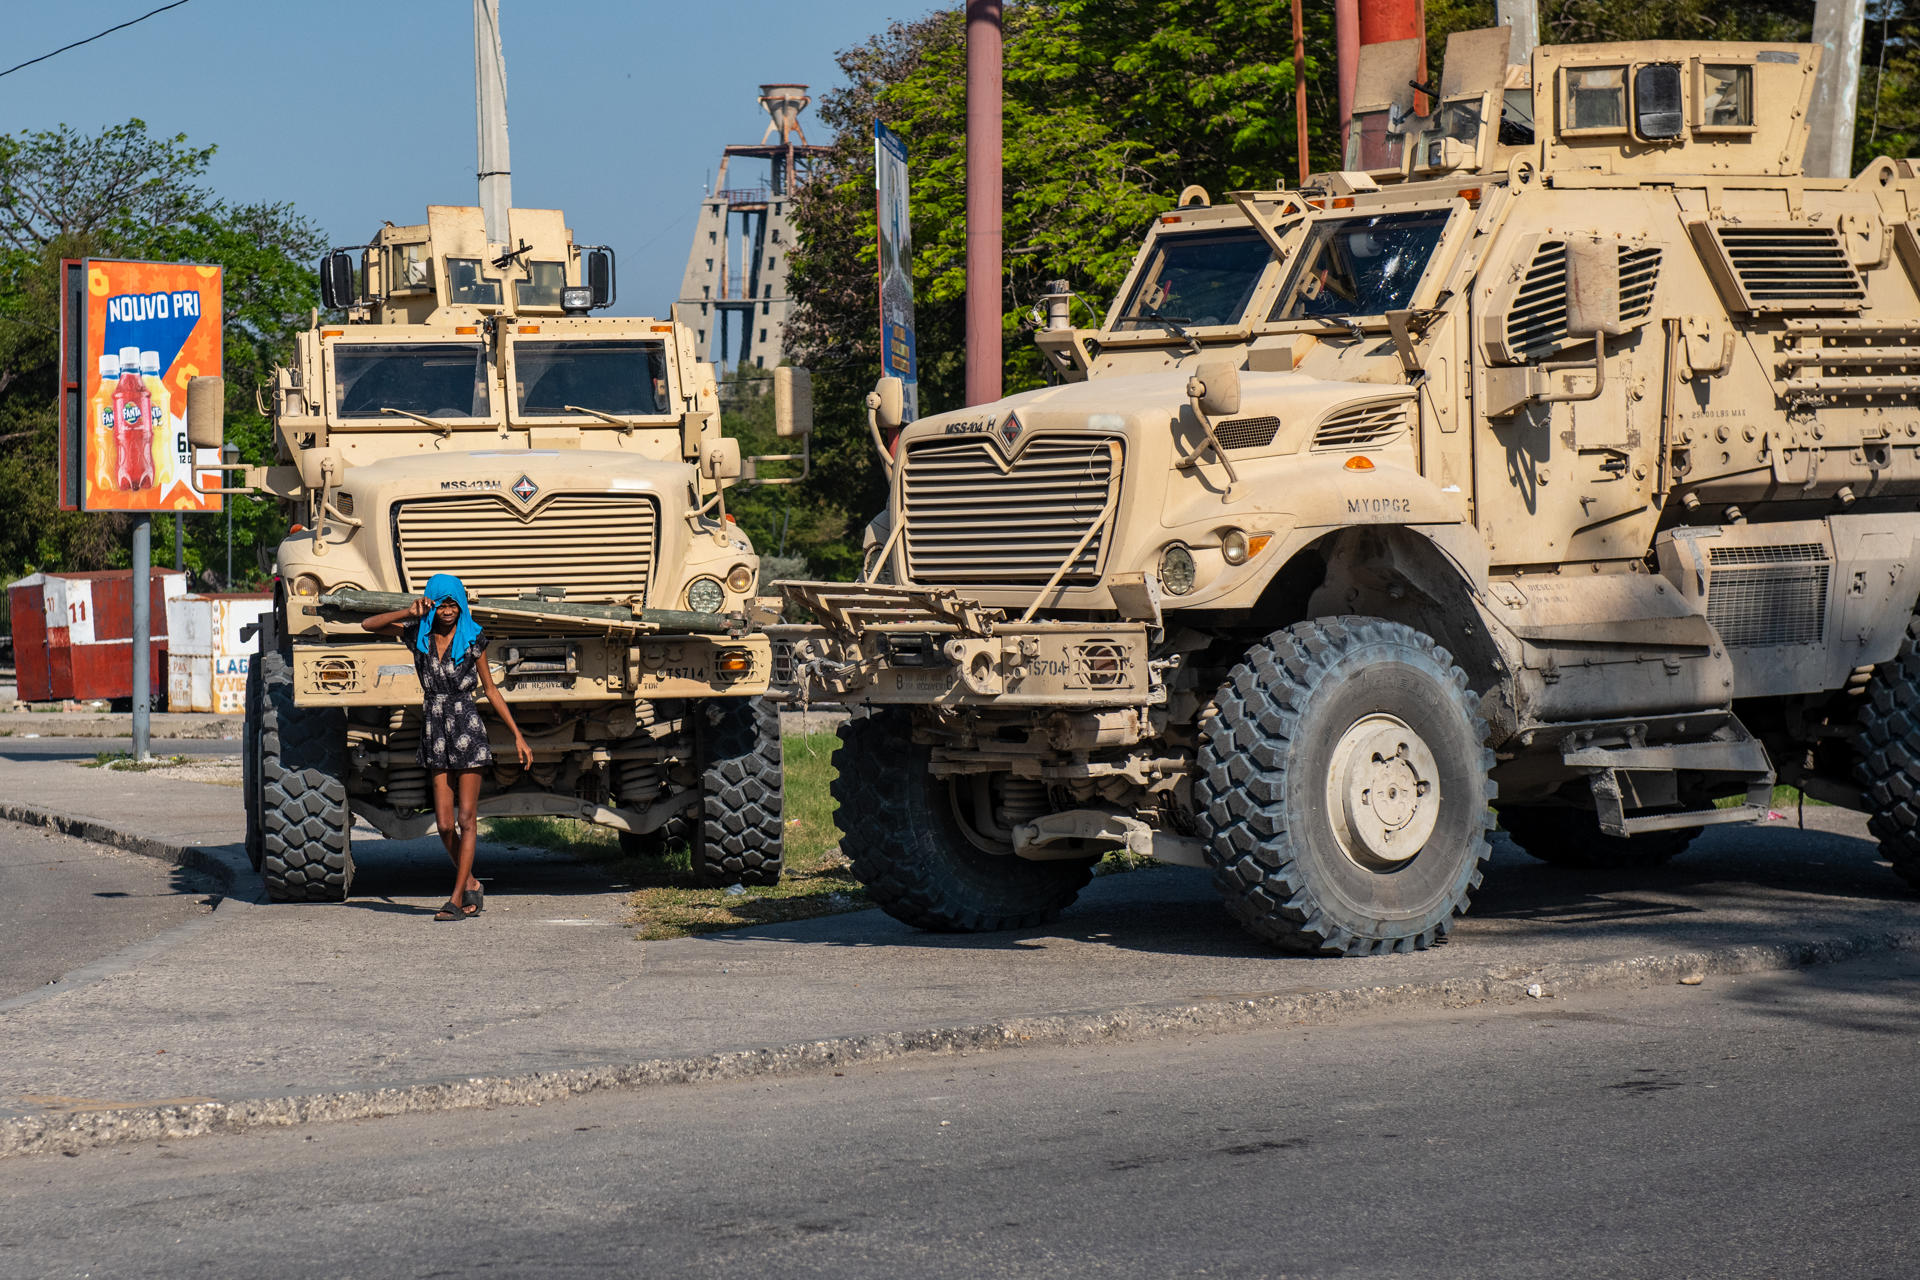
<point x="124" y="193"/>
<point x="1111" y="109"/>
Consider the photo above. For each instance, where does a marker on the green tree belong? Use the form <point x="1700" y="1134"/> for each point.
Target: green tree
<point x="126" y="193"/>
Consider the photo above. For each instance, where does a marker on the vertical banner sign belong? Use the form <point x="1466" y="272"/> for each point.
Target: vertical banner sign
<point x="133" y="334"/>
<point x="897" y="359"/>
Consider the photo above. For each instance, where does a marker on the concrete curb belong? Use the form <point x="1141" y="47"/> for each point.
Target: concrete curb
<point x="231" y="871"/>
<point x="38" y="1135"/>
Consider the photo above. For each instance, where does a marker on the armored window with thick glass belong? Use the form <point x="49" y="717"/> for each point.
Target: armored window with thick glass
<point x="542" y="286"/>
<point x="1360" y="266"/>
<point x="437" y="380"/>
<point x="1195" y="278"/>
<point x="465" y="285"/>
<point x="1373" y="143"/>
<point x="625" y="379"/>
<point x="1596" y="99"/>
<point x="1726" y="97"/>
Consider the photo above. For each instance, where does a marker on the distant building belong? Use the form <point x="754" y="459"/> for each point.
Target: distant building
<point x="734" y="292"/>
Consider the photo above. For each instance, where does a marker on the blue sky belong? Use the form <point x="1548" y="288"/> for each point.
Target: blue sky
<point x="359" y="111"/>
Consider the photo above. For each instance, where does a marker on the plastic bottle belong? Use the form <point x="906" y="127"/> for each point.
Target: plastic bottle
<point x="132" y="426"/>
<point x="100" y="415"/>
<point x="159" y="418"/>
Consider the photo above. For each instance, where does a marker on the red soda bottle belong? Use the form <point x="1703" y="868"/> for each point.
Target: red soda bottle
<point x="132" y="425"/>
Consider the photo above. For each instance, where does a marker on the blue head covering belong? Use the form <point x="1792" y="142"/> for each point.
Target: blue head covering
<point x="442" y="587"/>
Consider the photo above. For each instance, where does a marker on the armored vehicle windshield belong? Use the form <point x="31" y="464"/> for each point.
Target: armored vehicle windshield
<point x="1198" y="278"/>
<point x="437" y="379"/>
<point x="561" y="378"/>
<point x="1361" y="266"/>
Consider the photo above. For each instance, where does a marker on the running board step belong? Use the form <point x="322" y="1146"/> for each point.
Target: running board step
<point x="1647" y="774"/>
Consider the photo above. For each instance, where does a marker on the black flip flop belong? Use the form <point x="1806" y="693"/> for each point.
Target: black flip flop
<point x="477" y="899"/>
<point x="450" y="911"/>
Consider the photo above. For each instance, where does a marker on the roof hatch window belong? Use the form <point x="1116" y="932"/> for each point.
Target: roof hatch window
<point x="1596" y="100"/>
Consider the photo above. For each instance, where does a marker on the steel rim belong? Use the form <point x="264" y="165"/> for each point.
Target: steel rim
<point x="1383" y="793"/>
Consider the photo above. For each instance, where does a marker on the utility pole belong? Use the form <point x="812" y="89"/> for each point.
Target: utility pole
<point x="984" y="256"/>
<point x="142" y="633"/>
<point x="1838" y="28"/>
<point x="1346" y="44"/>
<point x="1524" y="17"/>
<point x="1300" y="89"/>
<point x="490" y="109"/>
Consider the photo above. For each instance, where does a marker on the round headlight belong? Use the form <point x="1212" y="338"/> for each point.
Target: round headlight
<point x="1233" y="547"/>
<point x="305" y="584"/>
<point x="706" y="595"/>
<point x="740" y="581"/>
<point x="1176" y="569"/>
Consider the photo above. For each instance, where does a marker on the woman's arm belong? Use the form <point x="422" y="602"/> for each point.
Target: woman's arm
<point x="395" y="621"/>
<point x="499" y="704"/>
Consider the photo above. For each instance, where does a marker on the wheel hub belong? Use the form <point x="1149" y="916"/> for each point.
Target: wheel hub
<point x="1383" y="792"/>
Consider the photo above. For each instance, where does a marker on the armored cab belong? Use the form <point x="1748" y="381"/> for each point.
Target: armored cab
<point x="1560" y="454"/>
<point x="472" y="415"/>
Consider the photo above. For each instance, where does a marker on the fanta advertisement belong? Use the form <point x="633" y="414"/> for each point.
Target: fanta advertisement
<point x="151" y="327"/>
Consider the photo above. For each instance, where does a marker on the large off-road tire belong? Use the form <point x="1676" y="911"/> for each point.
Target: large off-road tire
<point x="659" y="842"/>
<point x="737" y="837"/>
<point x="1888" y="746"/>
<point x="1573" y="838"/>
<point x="1343" y="789"/>
<point x="250" y="764"/>
<point x="919" y="864"/>
<point x="306" y="849"/>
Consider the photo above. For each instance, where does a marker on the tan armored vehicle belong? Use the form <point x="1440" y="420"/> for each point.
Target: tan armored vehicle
<point x="473" y="416"/>
<point x="1559" y="455"/>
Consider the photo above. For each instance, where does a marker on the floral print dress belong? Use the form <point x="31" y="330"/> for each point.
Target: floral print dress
<point x="452" y="735"/>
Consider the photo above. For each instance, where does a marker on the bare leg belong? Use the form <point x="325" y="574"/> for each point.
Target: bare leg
<point x="444" y="813"/>
<point x="463" y="877"/>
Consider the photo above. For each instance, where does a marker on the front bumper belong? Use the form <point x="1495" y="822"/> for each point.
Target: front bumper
<point x="544" y="669"/>
<point x="884" y="645"/>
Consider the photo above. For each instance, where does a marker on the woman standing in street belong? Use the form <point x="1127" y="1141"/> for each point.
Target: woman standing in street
<point x="450" y="657"/>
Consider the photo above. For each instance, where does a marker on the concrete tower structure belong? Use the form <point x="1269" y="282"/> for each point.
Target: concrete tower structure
<point x="734" y="292"/>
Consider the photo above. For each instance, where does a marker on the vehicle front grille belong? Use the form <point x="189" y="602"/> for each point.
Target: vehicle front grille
<point x="974" y="517"/>
<point x="596" y="547"/>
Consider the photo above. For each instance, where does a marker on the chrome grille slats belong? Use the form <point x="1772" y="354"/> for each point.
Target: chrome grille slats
<point x="599" y="548"/>
<point x="973" y="516"/>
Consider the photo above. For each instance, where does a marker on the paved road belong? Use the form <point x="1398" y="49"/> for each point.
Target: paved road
<point x="1759" y="1126"/>
<point x="65" y="903"/>
<point x="19" y="748"/>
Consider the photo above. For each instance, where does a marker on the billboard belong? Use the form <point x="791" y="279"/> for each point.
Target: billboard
<point x="133" y="334"/>
<point x="896" y="265"/>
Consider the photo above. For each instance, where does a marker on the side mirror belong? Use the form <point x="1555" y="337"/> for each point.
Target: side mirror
<point x="600" y="276"/>
<point x="1659" y="101"/>
<point x="207" y="412"/>
<point x="1217" y="388"/>
<point x="1593" y="288"/>
<point x="336" y="280"/>
<point x="792" y="402"/>
<point x="721" y="460"/>
<point x="888" y="400"/>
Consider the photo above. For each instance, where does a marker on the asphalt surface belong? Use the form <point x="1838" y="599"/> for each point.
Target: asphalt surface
<point x="65" y="904"/>
<point x="17" y="747"/>
<point x="1752" y="1126"/>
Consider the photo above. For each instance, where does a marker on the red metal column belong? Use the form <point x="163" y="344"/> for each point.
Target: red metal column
<point x="984" y="258"/>
<point x="1300" y="89"/>
<point x="1346" y="42"/>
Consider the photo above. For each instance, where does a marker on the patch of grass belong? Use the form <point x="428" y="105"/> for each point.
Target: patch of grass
<point x="123" y="762"/>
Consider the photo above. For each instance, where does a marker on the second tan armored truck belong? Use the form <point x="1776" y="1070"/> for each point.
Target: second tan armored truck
<point x="472" y="415"/>
<point x="1560" y="455"/>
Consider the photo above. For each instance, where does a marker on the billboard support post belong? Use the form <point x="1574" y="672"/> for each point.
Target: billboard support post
<point x="142" y="632"/>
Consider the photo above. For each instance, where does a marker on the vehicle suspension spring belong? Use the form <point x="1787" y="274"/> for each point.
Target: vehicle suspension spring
<point x="1022" y="800"/>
